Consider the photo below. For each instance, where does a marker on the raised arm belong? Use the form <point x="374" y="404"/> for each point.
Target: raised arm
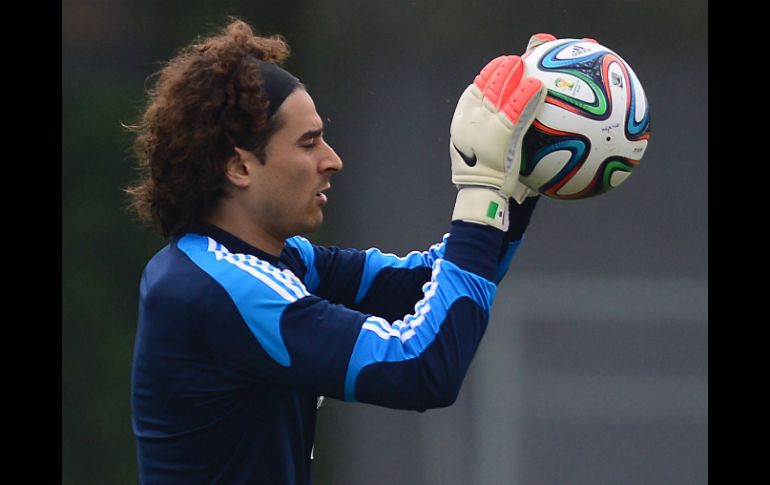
<point x="419" y="360"/>
<point x="386" y="284"/>
<point x="304" y="342"/>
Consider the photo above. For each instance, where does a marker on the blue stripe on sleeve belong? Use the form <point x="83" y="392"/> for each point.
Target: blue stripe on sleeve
<point x="379" y="341"/>
<point x="376" y="260"/>
<point x="307" y="253"/>
<point x="260" y="291"/>
<point x="505" y="262"/>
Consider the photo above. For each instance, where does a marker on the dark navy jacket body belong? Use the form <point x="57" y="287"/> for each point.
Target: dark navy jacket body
<point x="234" y="346"/>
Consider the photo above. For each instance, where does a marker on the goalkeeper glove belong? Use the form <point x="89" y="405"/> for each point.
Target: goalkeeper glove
<point x="489" y="123"/>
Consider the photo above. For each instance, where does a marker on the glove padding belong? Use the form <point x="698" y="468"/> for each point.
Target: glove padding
<point x="537" y="39"/>
<point x="486" y="134"/>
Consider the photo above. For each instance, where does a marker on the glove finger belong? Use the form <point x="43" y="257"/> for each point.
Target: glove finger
<point x="529" y="100"/>
<point x="539" y="38"/>
<point x="512" y="84"/>
<point x="523" y="103"/>
<point x="487" y="73"/>
<point x="498" y="83"/>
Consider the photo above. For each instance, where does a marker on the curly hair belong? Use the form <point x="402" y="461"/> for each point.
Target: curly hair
<point x="206" y="101"/>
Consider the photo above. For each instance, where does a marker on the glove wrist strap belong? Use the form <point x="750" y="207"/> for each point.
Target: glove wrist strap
<point x="482" y="205"/>
<point x="520" y="192"/>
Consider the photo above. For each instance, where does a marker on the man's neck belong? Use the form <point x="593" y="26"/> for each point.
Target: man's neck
<point x="250" y="233"/>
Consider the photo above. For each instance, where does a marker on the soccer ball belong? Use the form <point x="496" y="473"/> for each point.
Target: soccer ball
<point x="594" y="126"/>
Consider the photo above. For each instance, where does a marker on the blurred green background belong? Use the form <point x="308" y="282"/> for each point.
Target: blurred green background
<point x="385" y="76"/>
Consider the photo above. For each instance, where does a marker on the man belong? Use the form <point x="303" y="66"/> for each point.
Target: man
<point x="243" y="323"/>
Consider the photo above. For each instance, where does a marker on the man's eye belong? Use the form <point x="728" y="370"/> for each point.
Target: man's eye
<point x="310" y="144"/>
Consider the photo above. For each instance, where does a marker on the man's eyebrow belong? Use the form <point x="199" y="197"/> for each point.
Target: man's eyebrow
<point x="311" y="134"/>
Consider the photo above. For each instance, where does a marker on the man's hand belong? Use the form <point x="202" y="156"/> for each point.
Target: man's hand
<point x="486" y="133"/>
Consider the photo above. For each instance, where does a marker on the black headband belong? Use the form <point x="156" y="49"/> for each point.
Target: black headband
<point x="279" y="84"/>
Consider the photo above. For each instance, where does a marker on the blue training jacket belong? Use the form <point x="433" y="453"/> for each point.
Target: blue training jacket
<point x="234" y="346"/>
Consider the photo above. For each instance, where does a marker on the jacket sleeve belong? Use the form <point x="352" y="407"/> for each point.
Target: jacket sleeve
<point x="368" y="281"/>
<point x="305" y="342"/>
<point x="385" y="284"/>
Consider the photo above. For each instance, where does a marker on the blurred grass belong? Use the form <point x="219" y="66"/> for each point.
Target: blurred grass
<point x="104" y="251"/>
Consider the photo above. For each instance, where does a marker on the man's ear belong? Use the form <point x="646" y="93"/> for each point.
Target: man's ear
<point x="237" y="168"/>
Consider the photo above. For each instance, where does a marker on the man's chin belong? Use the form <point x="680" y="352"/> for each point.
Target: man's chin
<point x="312" y="226"/>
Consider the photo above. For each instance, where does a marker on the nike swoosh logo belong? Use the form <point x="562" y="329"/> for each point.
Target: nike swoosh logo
<point x="470" y="161"/>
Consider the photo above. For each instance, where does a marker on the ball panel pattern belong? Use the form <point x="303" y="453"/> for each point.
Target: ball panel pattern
<point x="594" y="125"/>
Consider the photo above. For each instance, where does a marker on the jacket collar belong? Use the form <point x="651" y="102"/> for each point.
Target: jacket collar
<point x="234" y="244"/>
